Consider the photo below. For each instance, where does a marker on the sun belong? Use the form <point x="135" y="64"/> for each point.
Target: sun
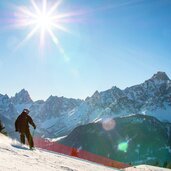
<point x="44" y="22"/>
<point x="42" y="19"/>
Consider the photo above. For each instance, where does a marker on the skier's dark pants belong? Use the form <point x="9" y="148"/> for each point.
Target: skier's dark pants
<point x="29" y="138"/>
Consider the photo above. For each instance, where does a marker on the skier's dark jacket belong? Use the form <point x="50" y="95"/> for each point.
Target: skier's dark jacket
<point x="22" y="122"/>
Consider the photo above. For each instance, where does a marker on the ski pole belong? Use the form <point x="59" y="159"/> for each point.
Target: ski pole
<point x="33" y="132"/>
<point x="11" y="132"/>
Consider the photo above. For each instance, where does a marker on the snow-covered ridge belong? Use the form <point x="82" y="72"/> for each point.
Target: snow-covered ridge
<point x="153" y="97"/>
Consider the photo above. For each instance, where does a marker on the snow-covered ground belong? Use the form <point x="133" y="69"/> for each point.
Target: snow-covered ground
<point x="146" y="168"/>
<point x="13" y="157"/>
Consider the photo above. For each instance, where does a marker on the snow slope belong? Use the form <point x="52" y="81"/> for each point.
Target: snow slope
<point x="14" y="157"/>
<point x="146" y="168"/>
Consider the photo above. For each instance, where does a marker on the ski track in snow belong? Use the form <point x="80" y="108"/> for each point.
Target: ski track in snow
<point x="14" y="157"/>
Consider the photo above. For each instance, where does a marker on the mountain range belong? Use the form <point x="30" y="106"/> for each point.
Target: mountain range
<point x="58" y="116"/>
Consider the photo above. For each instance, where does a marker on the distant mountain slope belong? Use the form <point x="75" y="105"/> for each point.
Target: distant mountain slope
<point x="129" y="139"/>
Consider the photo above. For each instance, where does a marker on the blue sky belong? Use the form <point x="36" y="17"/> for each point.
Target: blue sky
<point x="114" y="43"/>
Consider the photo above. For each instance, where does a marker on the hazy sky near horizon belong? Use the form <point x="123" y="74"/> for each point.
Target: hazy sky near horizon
<point x="110" y="43"/>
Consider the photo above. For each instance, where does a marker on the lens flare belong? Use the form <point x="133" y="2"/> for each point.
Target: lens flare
<point x="123" y="146"/>
<point x="108" y="124"/>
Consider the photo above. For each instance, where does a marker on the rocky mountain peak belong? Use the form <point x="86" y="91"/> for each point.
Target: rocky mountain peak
<point x="160" y="76"/>
<point x="52" y="98"/>
<point x="22" y="97"/>
<point x="96" y="95"/>
<point x="114" y="88"/>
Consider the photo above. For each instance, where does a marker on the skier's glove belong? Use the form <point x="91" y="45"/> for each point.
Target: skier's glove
<point x="34" y="126"/>
<point x="16" y="130"/>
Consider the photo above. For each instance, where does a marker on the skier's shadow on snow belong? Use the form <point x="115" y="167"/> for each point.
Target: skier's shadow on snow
<point x="19" y="147"/>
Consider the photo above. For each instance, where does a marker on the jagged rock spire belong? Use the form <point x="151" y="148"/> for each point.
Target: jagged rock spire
<point x="160" y="76"/>
<point x="22" y="97"/>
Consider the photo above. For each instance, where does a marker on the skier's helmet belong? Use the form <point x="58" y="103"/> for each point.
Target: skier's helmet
<point x="26" y="111"/>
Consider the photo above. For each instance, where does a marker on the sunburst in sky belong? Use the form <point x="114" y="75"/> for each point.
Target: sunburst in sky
<point x="43" y="19"/>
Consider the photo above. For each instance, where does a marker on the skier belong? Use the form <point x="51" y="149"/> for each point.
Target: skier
<point x="22" y="126"/>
